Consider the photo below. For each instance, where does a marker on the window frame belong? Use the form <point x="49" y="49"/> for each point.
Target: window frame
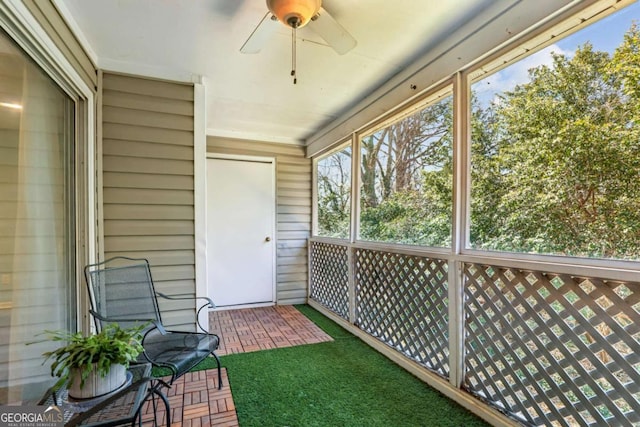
<point x="430" y="97"/>
<point x="513" y="52"/>
<point x="564" y="23"/>
<point x="345" y="143"/>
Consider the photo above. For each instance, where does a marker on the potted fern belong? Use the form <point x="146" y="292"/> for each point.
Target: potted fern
<point x="94" y="365"/>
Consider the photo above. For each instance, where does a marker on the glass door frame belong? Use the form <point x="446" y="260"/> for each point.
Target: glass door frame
<point x="26" y="32"/>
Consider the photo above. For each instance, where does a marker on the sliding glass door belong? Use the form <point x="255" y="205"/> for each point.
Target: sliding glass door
<point x="37" y="225"/>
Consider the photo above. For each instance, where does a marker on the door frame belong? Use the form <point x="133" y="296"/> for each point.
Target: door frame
<point x="273" y="231"/>
<point x="26" y="31"/>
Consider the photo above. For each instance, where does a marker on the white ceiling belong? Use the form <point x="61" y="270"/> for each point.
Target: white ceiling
<point x="252" y="96"/>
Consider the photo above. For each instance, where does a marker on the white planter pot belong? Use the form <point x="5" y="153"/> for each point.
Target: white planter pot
<point x="95" y="385"/>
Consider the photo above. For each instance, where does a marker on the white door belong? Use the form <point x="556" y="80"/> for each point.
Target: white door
<point x="240" y="226"/>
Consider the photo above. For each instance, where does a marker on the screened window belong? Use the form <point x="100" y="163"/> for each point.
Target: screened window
<point x="555" y="161"/>
<point x="334" y="194"/>
<point x="406" y="178"/>
<point x="37" y="280"/>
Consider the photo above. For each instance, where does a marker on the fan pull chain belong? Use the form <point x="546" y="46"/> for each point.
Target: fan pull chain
<point x="293" y="55"/>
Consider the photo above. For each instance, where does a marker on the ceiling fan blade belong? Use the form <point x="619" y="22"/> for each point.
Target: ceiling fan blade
<point x="332" y="32"/>
<point x="227" y="8"/>
<point x="260" y="35"/>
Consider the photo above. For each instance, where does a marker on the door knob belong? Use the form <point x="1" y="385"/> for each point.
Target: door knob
<point x="267" y="239"/>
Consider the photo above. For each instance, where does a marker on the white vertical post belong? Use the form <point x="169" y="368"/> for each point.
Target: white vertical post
<point x="459" y="233"/>
<point x="314" y="196"/>
<point x="314" y="222"/>
<point x="309" y="268"/>
<point x="99" y="202"/>
<point x="200" y="194"/>
<point x="354" y="228"/>
<point x="352" y="283"/>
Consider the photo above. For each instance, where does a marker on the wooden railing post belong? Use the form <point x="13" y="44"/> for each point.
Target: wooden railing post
<point x="456" y="324"/>
<point x="352" y="282"/>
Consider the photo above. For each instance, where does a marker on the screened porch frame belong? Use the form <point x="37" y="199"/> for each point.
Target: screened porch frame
<point x="545" y="339"/>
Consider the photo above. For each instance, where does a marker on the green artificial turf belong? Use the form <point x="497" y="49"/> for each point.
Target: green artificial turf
<point x="339" y="383"/>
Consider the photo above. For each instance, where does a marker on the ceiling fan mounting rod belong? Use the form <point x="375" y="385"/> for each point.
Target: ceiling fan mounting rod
<point x="294" y="21"/>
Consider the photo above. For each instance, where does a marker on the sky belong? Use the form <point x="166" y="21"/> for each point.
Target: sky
<point x="604" y="35"/>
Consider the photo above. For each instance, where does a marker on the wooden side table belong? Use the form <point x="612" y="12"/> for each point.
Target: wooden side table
<point x="119" y="408"/>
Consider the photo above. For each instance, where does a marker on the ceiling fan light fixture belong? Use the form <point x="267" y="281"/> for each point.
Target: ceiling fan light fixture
<point x="294" y="13"/>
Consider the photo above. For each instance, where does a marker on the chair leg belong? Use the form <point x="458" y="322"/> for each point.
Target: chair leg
<point x="167" y="407"/>
<point x="154" y="393"/>
<point x="219" y="371"/>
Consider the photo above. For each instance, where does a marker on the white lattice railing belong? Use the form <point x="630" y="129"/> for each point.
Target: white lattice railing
<point x="545" y="348"/>
<point x="402" y="300"/>
<point x="553" y="349"/>
<point x="329" y="277"/>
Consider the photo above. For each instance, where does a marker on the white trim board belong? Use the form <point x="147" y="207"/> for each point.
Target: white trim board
<point x="200" y="195"/>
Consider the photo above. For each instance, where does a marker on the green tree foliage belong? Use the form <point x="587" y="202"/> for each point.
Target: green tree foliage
<point x="560" y="161"/>
<point x="334" y="194"/>
<point x="555" y="165"/>
<point x="407" y="171"/>
<point x="626" y="68"/>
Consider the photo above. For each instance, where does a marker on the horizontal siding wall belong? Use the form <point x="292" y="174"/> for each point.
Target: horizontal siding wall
<point x="148" y="184"/>
<point x="293" y="190"/>
<point x="48" y="16"/>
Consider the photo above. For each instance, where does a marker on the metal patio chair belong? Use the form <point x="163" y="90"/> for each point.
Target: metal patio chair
<point x="121" y="291"/>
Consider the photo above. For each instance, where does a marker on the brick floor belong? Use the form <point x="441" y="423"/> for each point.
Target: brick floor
<point x="262" y="328"/>
<point x="195" y="399"/>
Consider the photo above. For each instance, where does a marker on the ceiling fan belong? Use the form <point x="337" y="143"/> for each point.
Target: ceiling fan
<point x="296" y="14"/>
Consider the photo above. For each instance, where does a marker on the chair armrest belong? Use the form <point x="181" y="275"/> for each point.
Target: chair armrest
<point x="208" y="304"/>
<point x="156" y="323"/>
